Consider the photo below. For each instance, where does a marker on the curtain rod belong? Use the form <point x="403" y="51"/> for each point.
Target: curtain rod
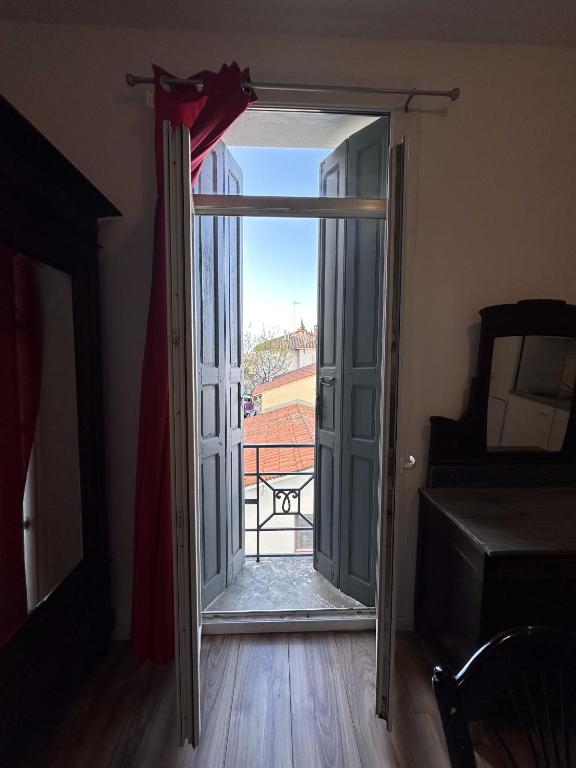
<point x="248" y="85"/>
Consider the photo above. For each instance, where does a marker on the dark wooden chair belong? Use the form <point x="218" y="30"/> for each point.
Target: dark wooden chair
<point x="513" y="705"/>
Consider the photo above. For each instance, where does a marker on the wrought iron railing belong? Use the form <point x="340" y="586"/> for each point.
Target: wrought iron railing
<point x="285" y="501"/>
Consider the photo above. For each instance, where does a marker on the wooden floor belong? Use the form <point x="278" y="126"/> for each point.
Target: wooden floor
<point x="269" y="701"/>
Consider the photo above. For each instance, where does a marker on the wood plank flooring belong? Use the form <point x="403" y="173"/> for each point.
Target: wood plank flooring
<point x="269" y="701"/>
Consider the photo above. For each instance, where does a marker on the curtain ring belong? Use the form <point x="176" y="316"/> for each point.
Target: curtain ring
<point x="246" y="87"/>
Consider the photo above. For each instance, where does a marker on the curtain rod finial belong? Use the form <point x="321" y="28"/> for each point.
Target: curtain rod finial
<point x="133" y="80"/>
<point x="455" y="94"/>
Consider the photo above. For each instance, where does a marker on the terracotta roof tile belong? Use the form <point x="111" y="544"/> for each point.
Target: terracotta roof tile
<point x="300" y="339"/>
<point x="294" y="423"/>
<point x="286" y="378"/>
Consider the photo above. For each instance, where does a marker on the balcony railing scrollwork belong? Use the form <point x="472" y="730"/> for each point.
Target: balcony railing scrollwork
<point x="286" y="502"/>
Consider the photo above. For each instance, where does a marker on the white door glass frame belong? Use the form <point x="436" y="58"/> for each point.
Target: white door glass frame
<point x="290" y="207"/>
<point x="183" y="424"/>
<point x="405" y="131"/>
<point x="387" y="556"/>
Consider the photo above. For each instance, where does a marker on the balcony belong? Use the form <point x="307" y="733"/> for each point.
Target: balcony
<point x="279" y="532"/>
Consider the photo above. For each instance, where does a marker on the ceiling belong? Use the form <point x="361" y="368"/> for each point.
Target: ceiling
<point x="549" y="22"/>
<point x="314" y="130"/>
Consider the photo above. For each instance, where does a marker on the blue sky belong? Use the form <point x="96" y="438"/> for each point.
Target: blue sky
<point x="280" y="255"/>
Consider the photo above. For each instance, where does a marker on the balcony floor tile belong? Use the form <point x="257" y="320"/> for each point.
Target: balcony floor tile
<point x="281" y="583"/>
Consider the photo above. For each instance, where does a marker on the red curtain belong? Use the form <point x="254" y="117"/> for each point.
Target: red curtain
<point x="207" y="113"/>
<point x="20" y="373"/>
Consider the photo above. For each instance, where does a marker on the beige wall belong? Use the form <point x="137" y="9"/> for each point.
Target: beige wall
<point x="301" y="357"/>
<point x="302" y="389"/>
<point x="493" y="213"/>
<point x="306" y="357"/>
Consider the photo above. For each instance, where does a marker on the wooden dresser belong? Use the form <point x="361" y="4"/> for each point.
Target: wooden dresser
<point x="491" y="559"/>
<point x="497" y="530"/>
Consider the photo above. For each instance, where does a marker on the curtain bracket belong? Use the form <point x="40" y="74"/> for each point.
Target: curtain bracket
<point x="408" y="100"/>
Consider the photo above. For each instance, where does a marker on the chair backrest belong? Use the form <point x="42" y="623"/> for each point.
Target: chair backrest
<point x="518" y="693"/>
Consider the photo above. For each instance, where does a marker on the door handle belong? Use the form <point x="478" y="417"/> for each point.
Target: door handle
<point x="328" y="380"/>
<point x="409" y="465"/>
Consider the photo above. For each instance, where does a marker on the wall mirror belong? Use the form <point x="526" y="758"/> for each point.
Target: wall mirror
<point x="41" y="510"/>
<point x="52" y="508"/>
<point x="521" y="413"/>
<point x="531" y="390"/>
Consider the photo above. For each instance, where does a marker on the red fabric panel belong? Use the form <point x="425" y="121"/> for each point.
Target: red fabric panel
<point x="20" y="373"/>
<point x="207" y="113"/>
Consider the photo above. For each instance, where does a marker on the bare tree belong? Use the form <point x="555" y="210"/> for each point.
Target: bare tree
<point x="265" y="355"/>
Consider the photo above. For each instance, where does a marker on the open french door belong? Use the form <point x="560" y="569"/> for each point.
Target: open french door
<point x="352" y="279"/>
<point x="183" y="419"/>
<point x="386" y="604"/>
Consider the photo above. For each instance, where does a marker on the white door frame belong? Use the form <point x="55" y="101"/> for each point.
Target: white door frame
<point x="404" y="127"/>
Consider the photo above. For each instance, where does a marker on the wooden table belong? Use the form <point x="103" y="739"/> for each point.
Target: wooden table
<point x="493" y="559"/>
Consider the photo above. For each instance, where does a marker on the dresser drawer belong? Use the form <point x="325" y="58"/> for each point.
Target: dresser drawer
<point x="530" y="590"/>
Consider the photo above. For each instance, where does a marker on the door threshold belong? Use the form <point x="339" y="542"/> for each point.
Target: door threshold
<point x="297" y="620"/>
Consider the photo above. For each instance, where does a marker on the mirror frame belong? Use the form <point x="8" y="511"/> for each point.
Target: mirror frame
<point x="463" y="441"/>
<point x="86" y="321"/>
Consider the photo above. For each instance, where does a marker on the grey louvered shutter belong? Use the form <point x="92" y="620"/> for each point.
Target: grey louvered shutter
<point x="234" y="379"/>
<point x="329" y="373"/>
<point x="350" y="306"/>
<point x="209" y="254"/>
<point x="365" y="254"/>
